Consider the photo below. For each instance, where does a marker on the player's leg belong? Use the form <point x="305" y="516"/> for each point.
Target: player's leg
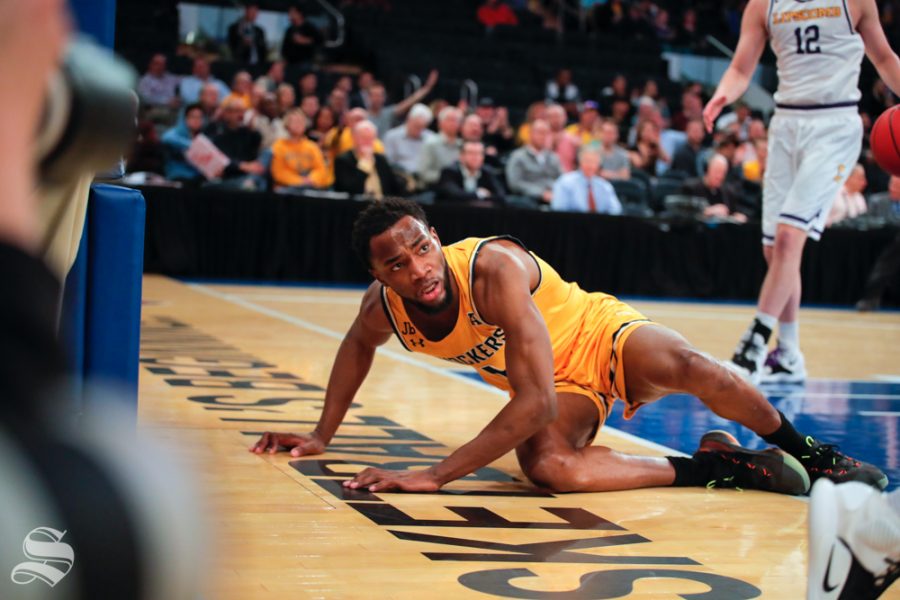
<point x="785" y="364"/>
<point x="854" y="541"/>
<point x="657" y="361"/>
<point x="781" y="167"/>
<point x="558" y="457"/>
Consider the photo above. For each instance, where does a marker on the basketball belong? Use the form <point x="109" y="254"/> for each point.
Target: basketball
<point x="885" y="141"/>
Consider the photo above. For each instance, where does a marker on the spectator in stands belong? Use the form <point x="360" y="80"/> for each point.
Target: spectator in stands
<point x="340" y="139"/>
<point x="268" y="122"/>
<point x="583" y="130"/>
<point x="441" y="151"/>
<point x="614" y="161"/>
<point x="536" y="110"/>
<point x="337" y="101"/>
<point x="691" y="108"/>
<point x="209" y="101"/>
<point x="686" y="156"/>
<point x="297" y="162"/>
<point x="651" y="91"/>
<point x="324" y="122"/>
<point x="273" y="77"/>
<point x="345" y="84"/>
<point x="177" y="140"/>
<point x="561" y="90"/>
<point x="726" y="145"/>
<point x="470" y="180"/>
<point x="362" y="170"/>
<point x="850" y="202"/>
<point x="360" y="97"/>
<point x="310" y="107"/>
<point x="562" y="144"/>
<point x="620" y="114"/>
<point x="496" y="12"/>
<point x="737" y="120"/>
<point x="287" y="99"/>
<point x="499" y="136"/>
<point x="158" y="88"/>
<point x="688" y="34"/>
<point x="724" y="200"/>
<point x="583" y="190"/>
<point x="647" y="152"/>
<point x="616" y="90"/>
<point x="241" y="89"/>
<point x="301" y="39"/>
<point x="746" y="151"/>
<point x="886" y="268"/>
<point x="239" y="143"/>
<point x="403" y="144"/>
<point x="532" y="169"/>
<point x="754" y="169"/>
<point x="246" y="39"/>
<point x="662" y="29"/>
<point x="190" y="86"/>
<point x="309" y="85"/>
<point x="384" y="115"/>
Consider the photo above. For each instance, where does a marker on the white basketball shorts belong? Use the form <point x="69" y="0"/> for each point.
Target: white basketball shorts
<point x="811" y="152"/>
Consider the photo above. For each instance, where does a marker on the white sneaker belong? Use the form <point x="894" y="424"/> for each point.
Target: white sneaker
<point x="781" y="367"/>
<point x="749" y="357"/>
<point x="854" y="542"/>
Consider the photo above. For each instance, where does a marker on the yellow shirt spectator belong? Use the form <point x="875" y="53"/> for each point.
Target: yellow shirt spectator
<point x="297" y="160"/>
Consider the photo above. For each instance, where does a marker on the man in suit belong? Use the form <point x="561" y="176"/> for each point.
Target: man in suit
<point x="470" y="180"/>
<point x="247" y="39"/>
<point x="583" y="190"/>
<point x="362" y="170"/>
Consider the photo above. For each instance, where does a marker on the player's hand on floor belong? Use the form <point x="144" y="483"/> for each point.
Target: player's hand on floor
<point x="298" y="445"/>
<point x="382" y="480"/>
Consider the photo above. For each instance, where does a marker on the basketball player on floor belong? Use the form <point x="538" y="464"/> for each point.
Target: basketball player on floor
<point x="814" y="141"/>
<point x="564" y="356"/>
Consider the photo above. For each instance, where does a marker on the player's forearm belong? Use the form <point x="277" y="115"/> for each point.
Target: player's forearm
<point x="889" y="71"/>
<point x="733" y="84"/>
<point x="350" y="368"/>
<point x="521" y="418"/>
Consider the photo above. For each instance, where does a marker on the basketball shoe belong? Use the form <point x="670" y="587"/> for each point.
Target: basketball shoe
<point x="854" y="542"/>
<point x="824" y="460"/>
<point x="749" y="356"/>
<point x="732" y="466"/>
<point x="780" y="367"/>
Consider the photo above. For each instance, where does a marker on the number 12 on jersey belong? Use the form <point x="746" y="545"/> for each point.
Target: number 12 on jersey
<point x="806" y="40"/>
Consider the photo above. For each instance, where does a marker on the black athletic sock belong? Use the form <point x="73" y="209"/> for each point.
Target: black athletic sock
<point x="788" y="439"/>
<point x="689" y="472"/>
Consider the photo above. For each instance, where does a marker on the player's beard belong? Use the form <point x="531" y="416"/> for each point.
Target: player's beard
<point x="434" y="309"/>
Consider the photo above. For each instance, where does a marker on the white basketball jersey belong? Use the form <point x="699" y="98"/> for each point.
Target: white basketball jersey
<point x="819" y="52"/>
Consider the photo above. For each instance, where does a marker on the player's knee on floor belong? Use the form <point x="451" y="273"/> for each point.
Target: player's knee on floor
<point x="557" y="472"/>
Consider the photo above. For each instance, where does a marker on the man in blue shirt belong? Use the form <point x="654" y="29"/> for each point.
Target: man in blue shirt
<point x="583" y="190"/>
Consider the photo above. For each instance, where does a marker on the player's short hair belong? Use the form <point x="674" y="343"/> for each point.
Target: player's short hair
<point x="377" y="218"/>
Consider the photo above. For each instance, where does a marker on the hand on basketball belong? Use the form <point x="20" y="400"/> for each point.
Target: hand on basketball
<point x="711" y="112"/>
<point x="382" y="480"/>
<point x="298" y="445"/>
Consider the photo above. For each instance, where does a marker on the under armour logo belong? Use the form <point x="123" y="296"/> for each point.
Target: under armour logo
<point x="420" y="342"/>
<point x="50" y="558"/>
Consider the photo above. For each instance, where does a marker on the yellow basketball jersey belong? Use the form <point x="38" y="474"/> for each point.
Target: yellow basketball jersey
<point x="585" y="328"/>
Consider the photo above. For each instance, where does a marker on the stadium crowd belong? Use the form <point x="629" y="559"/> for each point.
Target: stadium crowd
<point x="624" y="148"/>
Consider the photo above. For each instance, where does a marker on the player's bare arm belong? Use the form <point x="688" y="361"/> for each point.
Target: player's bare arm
<point x="370" y="329"/>
<point x="877" y="47"/>
<point x="504" y="277"/>
<point x="737" y="77"/>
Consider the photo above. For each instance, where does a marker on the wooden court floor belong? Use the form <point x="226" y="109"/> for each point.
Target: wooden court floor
<point x="222" y="363"/>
